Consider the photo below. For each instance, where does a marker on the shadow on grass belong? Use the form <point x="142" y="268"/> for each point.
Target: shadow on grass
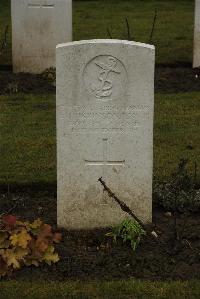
<point x="29" y="188"/>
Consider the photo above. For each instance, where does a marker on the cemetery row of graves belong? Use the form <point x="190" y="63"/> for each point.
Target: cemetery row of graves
<point x="92" y="143"/>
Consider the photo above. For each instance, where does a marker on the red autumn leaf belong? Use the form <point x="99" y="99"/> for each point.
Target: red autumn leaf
<point x="45" y="232"/>
<point x="34" y="251"/>
<point x="9" y="220"/>
<point x="57" y="237"/>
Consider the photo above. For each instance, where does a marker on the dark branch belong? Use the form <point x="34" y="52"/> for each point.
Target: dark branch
<point x="128" y="30"/>
<point x="153" y="26"/>
<point x="109" y="33"/>
<point x="126" y="209"/>
<point x="122" y="204"/>
<point x="4" y="41"/>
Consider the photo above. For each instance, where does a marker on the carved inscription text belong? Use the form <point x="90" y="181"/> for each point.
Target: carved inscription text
<point x="104" y="119"/>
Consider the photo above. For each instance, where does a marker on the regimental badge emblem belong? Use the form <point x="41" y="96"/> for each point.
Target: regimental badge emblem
<point x="105" y="77"/>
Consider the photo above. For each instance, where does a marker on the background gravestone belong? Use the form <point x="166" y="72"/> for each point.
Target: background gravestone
<point x="196" y="56"/>
<point x="37" y="27"/>
<point x="105" y="98"/>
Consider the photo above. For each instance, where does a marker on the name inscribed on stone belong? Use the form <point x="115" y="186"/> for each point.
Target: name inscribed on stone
<point x="41" y="4"/>
<point x="106" y="118"/>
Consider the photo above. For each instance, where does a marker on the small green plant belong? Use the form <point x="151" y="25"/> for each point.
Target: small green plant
<point x="129" y="231"/>
<point x="180" y="193"/>
<point x="24" y="243"/>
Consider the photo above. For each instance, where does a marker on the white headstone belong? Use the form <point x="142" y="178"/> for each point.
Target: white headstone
<point x="196" y="55"/>
<point x="105" y="98"/>
<point x="37" y="27"/>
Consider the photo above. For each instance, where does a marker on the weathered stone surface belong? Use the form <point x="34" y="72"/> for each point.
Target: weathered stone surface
<point x="105" y="98"/>
<point x="37" y="27"/>
<point x="196" y="55"/>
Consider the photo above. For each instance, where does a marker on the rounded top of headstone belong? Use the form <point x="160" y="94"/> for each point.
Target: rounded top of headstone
<point x="106" y="41"/>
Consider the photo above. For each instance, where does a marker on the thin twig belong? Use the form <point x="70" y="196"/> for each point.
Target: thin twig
<point x="122" y="204"/>
<point x="9" y="211"/>
<point x="194" y="182"/>
<point x="128" y="30"/>
<point x="4" y="41"/>
<point x="188" y="243"/>
<point x="176" y="235"/>
<point x="126" y="209"/>
<point x="195" y="173"/>
<point x="153" y="26"/>
<point x="109" y="33"/>
<point x="183" y="227"/>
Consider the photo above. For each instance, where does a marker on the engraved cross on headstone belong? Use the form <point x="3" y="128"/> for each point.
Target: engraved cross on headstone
<point x="105" y="161"/>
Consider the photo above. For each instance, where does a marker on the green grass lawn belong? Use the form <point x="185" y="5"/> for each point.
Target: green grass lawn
<point x="129" y="289"/>
<point x="28" y="150"/>
<point x="176" y="132"/>
<point x="28" y="146"/>
<point x="173" y="35"/>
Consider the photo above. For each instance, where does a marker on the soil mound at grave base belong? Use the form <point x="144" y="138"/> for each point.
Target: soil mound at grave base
<point x="91" y="255"/>
<point x="168" y="79"/>
<point x="176" y="79"/>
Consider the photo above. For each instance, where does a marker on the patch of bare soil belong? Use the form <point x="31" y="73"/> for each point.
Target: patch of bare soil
<point x="176" y="79"/>
<point x="92" y="255"/>
<point x="27" y="83"/>
<point x="168" y="79"/>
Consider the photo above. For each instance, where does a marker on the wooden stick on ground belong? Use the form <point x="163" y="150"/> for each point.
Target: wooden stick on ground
<point x="125" y="208"/>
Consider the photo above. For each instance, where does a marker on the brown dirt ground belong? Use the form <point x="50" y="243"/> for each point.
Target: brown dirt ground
<point x="168" y="79"/>
<point x="91" y="255"/>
